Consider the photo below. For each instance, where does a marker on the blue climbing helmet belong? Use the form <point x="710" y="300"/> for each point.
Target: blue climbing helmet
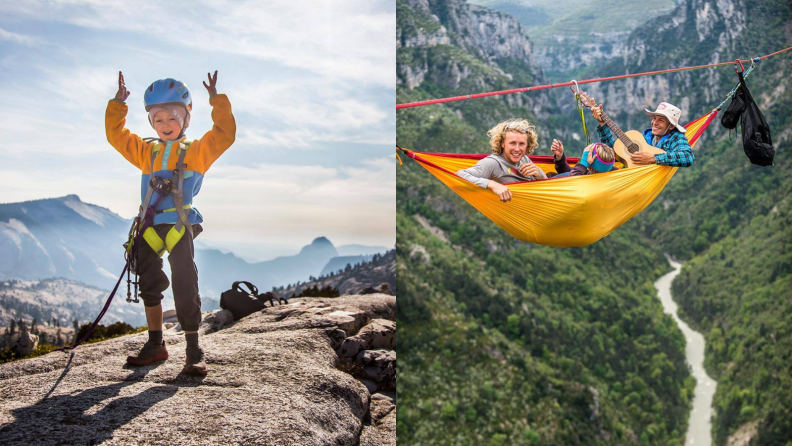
<point x="168" y="91"/>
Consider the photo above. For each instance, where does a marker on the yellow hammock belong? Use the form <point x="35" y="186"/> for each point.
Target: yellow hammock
<point x="563" y="212"/>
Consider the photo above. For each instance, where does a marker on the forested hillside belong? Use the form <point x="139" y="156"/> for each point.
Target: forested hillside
<point x="505" y="342"/>
<point x="730" y="220"/>
<point x="509" y="343"/>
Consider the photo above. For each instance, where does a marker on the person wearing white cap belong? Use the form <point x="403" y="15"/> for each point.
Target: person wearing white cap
<point x="665" y="133"/>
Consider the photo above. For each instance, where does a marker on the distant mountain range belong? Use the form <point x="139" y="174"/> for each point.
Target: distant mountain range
<point x="63" y="300"/>
<point x="61" y="237"/>
<point x="217" y="271"/>
<point x="372" y="273"/>
<point x="65" y="237"/>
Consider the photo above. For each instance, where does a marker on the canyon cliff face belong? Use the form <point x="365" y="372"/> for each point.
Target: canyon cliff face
<point x="452" y="46"/>
<point x="569" y="53"/>
<point x="697" y="32"/>
<point x="483" y="32"/>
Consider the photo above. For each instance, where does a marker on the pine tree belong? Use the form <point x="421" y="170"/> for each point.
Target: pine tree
<point x="76" y="329"/>
<point x="33" y="328"/>
<point x="13" y="326"/>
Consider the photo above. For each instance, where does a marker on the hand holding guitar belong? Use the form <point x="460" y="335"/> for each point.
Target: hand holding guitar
<point x="596" y="111"/>
<point x="642" y="158"/>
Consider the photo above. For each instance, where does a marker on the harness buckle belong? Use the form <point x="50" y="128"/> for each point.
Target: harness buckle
<point x="161" y="185"/>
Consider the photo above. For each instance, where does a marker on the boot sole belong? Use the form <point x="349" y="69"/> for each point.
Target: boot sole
<point x="195" y="372"/>
<point x="134" y="361"/>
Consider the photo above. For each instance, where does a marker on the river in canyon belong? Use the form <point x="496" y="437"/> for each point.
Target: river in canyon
<point x="700" y="423"/>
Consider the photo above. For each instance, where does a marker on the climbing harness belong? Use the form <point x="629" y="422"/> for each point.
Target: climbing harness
<point x="142" y="228"/>
<point x="143" y="225"/>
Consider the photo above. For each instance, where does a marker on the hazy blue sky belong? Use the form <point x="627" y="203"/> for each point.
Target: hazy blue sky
<point x="312" y="85"/>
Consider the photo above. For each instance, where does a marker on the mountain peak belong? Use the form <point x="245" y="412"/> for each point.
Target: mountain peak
<point x="70" y="197"/>
<point x="321" y="246"/>
<point x="318" y="241"/>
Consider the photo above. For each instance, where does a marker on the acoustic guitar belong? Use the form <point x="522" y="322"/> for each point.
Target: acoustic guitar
<point x="626" y="143"/>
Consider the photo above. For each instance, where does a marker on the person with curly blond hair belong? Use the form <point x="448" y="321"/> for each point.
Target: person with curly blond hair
<point x="511" y="142"/>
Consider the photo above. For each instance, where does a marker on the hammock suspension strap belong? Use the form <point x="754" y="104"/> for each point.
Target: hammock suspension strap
<point x="579" y="103"/>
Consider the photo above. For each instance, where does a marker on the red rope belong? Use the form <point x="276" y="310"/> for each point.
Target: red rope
<point x="567" y="84"/>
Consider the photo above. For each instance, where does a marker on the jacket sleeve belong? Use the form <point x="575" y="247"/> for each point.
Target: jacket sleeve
<point x="605" y="134"/>
<point x="561" y="165"/>
<point x="134" y="149"/>
<point x="679" y="154"/>
<point x="216" y="141"/>
<point x="480" y="174"/>
<point x="578" y="170"/>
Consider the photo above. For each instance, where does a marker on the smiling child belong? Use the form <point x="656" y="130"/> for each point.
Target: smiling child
<point x="176" y="221"/>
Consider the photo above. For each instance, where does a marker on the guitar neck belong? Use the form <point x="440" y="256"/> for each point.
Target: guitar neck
<point x="616" y="130"/>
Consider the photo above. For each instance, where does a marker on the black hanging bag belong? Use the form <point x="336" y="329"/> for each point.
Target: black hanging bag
<point x="757" y="143"/>
<point x="241" y="302"/>
<point x="731" y="117"/>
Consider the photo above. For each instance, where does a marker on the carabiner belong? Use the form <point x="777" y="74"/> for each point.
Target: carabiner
<point x="161" y="185"/>
<point x="575" y="90"/>
<point x="738" y="62"/>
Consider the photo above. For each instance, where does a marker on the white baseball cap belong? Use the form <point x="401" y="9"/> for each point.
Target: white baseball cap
<point x="671" y="112"/>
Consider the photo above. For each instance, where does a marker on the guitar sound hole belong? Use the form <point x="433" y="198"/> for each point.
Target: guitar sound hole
<point x="633" y="148"/>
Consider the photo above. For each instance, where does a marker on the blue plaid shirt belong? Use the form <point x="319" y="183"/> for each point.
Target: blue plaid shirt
<point x="677" y="148"/>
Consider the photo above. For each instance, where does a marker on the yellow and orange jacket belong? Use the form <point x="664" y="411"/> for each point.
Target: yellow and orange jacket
<point x="200" y="156"/>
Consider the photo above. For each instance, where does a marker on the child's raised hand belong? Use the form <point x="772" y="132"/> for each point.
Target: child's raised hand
<point x="557" y="148"/>
<point x="122" y="93"/>
<point x="212" y="87"/>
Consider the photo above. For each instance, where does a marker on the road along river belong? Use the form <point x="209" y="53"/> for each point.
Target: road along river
<point x="699" y="426"/>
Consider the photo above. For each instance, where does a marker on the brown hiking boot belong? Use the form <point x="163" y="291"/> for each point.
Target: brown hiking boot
<point x="195" y="362"/>
<point x="150" y="352"/>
